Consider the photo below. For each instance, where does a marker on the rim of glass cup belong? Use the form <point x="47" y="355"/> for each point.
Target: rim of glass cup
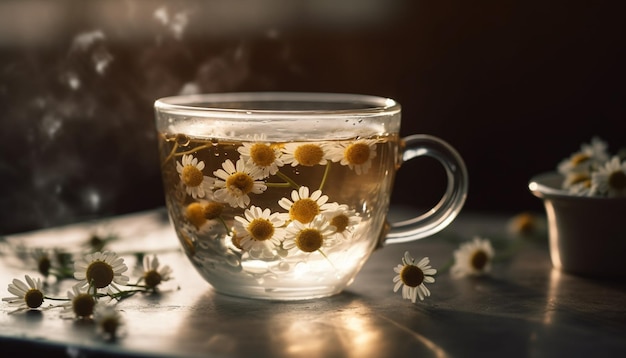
<point x="212" y="104"/>
<point x="548" y="185"/>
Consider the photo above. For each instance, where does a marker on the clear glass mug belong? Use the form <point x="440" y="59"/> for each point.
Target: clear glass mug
<point x="284" y="196"/>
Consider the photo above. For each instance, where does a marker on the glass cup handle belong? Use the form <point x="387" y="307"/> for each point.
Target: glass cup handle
<point x="442" y="214"/>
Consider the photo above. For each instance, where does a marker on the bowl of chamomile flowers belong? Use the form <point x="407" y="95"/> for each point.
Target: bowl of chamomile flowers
<point x="585" y="203"/>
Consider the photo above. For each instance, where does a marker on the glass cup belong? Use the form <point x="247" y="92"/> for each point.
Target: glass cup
<point x="284" y="196"/>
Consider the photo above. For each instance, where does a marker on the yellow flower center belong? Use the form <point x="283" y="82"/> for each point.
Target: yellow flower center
<point x="195" y="214"/>
<point x="304" y="210"/>
<point x="83" y="305"/>
<point x="340" y="222"/>
<point x="309" y="240"/>
<point x="213" y="210"/>
<point x="192" y="176"/>
<point x="109" y="326"/>
<point x="579" y="158"/>
<point x="43" y="265"/>
<point x="309" y="154"/>
<point x="33" y="298"/>
<point x="617" y="180"/>
<point x="412" y="275"/>
<point x="579" y="178"/>
<point x="261" y="229"/>
<point x="479" y="260"/>
<point x="153" y="278"/>
<point x="100" y="274"/>
<point x="239" y="182"/>
<point x="357" y="153"/>
<point x="262" y="154"/>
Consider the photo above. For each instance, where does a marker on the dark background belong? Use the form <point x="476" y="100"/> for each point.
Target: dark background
<point x="514" y="86"/>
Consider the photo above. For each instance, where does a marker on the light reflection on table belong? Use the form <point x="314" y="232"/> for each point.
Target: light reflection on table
<point x="524" y="308"/>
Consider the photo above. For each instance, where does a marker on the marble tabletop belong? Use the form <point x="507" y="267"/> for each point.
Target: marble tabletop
<point x="522" y="308"/>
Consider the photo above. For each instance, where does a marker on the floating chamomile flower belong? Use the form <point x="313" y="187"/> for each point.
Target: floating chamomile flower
<point x="27" y="295"/>
<point x="100" y="270"/>
<point x="202" y="212"/>
<point x="236" y="181"/>
<point x="357" y="155"/>
<point x="190" y="172"/>
<point x="154" y="274"/>
<point x="473" y="258"/>
<point x="587" y="158"/>
<point x="265" y="156"/>
<point x="305" y="208"/>
<point x="343" y="219"/>
<point x="109" y="322"/>
<point x="308" y="237"/>
<point x="413" y="277"/>
<point x="80" y="303"/>
<point x="305" y="154"/>
<point x="260" y="232"/>
<point x="610" y="179"/>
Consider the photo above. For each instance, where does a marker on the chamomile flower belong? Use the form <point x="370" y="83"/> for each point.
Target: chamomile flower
<point x="260" y="232"/>
<point x="201" y="212"/>
<point x="308" y="237"/>
<point x="305" y="208"/>
<point x="153" y="273"/>
<point x="587" y="158"/>
<point x="196" y="183"/>
<point x="44" y="261"/>
<point x="343" y="219"/>
<point x="100" y="270"/>
<point x="357" y="155"/>
<point x="473" y="258"/>
<point x="80" y="303"/>
<point x="305" y="154"/>
<point x="27" y="295"/>
<point x="412" y="277"/>
<point x="578" y="183"/>
<point x="610" y="179"/>
<point x="265" y="156"/>
<point x="236" y="181"/>
<point x="109" y="321"/>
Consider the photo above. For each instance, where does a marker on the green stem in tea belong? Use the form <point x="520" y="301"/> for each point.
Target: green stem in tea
<point x="225" y="225"/>
<point x="327" y="259"/>
<point x="196" y="149"/>
<point x="171" y="155"/>
<point x="277" y="185"/>
<point x="325" y="175"/>
<point x="288" y="180"/>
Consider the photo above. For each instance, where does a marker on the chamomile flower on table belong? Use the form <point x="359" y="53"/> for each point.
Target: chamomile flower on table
<point x="260" y="232"/>
<point x="190" y="172"/>
<point x="80" y="303"/>
<point x="235" y="181"/>
<point x="109" y="321"/>
<point x="153" y="273"/>
<point x="305" y="154"/>
<point x="304" y="207"/>
<point x="265" y="156"/>
<point x="100" y="270"/>
<point x="472" y="258"/>
<point x="26" y="295"/>
<point x="357" y="155"/>
<point x="308" y="237"/>
<point x="412" y="277"/>
<point x="610" y="179"/>
<point x="344" y="220"/>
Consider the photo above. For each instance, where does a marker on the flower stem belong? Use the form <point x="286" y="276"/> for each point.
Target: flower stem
<point x="325" y="175"/>
<point x="288" y="180"/>
<point x="225" y="225"/>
